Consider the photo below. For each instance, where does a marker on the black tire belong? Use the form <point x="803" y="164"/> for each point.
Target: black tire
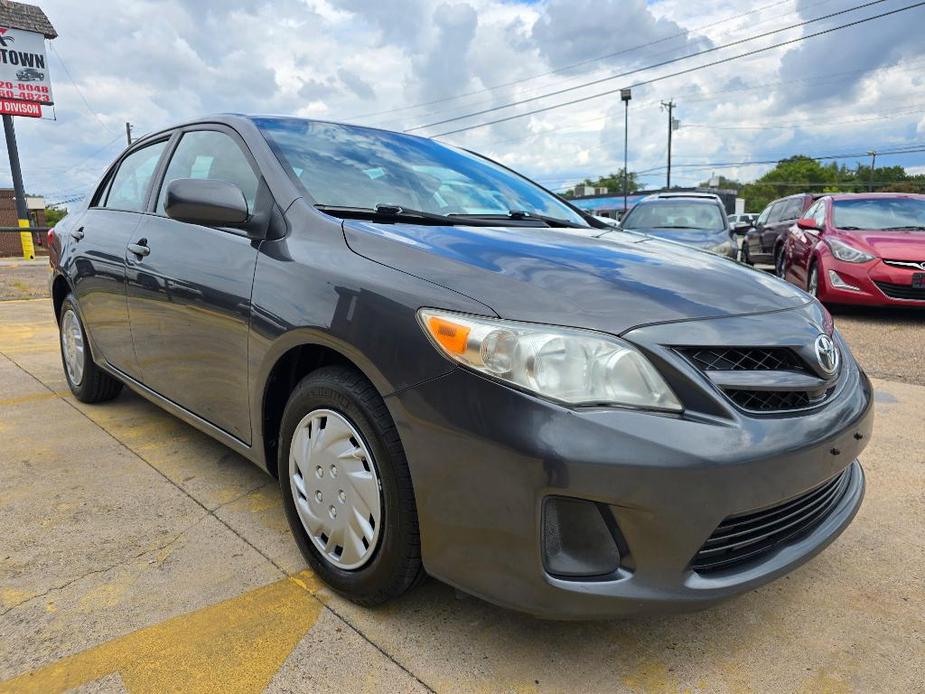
<point x="746" y="258"/>
<point x="95" y="385"/>
<point x="813" y="271"/>
<point x="779" y="262"/>
<point x="396" y="564"/>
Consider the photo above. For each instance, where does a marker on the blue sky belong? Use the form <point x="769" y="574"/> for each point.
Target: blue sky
<point x="405" y="63"/>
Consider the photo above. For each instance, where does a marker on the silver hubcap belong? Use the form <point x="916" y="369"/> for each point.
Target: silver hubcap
<point x="72" y="346"/>
<point x="336" y="488"/>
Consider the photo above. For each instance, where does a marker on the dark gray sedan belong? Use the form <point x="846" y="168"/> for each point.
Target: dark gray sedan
<point x="453" y="372"/>
<point x="693" y="219"/>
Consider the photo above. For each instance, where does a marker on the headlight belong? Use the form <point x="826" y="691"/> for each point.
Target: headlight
<point x="722" y="248"/>
<point x="572" y="366"/>
<point x="849" y="254"/>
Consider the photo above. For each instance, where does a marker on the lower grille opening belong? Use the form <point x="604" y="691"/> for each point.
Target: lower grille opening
<point x="902" y="291"/>
<point x="746" y="536"/>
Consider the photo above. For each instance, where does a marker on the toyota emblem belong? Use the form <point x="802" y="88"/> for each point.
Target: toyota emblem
<point x="827" y="354"/>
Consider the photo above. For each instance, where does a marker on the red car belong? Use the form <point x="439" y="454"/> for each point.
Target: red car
<point x="866" y="248"/>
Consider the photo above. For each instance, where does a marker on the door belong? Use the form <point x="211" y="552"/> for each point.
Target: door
<point x="189" y="290"/>
<point x="753" y="236"/>
<point x="804" y="241"/>
<point x="99" y="240"/>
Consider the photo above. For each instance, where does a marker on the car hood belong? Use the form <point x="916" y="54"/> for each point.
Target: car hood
<point x="702" y="238"/>
<point x="892" y="245"/>
<point x="574" y="277"/>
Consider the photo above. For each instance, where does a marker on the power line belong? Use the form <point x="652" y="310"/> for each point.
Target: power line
<point x="914" y="148"/>
<point x="645" y="68"/>
<point x="79" y="91"/>
<point x="565" y="68"/>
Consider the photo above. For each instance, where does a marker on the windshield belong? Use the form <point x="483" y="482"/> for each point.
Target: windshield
<point x="349" y="166"/>
<point x="879" y="213"/>
<point x="675" y="214"/>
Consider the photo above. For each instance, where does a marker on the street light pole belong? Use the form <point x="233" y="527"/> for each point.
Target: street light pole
<point x="625" y="96"/>
<point x="669" y="106"/>
<point x="873" y="165"/>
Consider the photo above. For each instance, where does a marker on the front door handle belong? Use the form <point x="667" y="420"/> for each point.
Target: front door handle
<point x="140" y="249"/>
<point x="78" y="233"/>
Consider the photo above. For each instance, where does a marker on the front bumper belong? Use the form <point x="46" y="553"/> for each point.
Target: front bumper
<point x="872" y="282"/>
<point x="484" y="457"/>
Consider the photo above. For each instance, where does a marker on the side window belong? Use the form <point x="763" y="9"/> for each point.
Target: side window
<point x="213" y="155"/>
<point x="819" y="214"/>
<point x="792" y="210"/>
<point x="130" y="184"/>
<point x="763" y="217"/>
<point x="776" y="209"/>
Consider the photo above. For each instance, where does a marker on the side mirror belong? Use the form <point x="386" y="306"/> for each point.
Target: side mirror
<point x="808" y="224"/>
<point x="741" y="227"/>
<point x="207" y="202"/>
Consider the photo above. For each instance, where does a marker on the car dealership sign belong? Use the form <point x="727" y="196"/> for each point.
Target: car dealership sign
<point x="24" y="75"/>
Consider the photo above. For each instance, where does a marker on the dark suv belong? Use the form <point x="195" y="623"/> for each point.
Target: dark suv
<point x="765" y="241"/>
<point x="452" y="371"/>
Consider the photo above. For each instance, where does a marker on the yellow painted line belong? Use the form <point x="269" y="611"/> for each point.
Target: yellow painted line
<point x="19" y="399"/>
<point x="46" y="299"/>
<point x="234" y="646"/>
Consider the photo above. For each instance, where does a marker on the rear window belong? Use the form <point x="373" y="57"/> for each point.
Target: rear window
<point x="675" y="214"/>
<point x="793" y="209"/>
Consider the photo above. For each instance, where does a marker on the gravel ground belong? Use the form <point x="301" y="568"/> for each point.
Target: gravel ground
<point x="889" y="344"/>
<point x="23" y="279"/>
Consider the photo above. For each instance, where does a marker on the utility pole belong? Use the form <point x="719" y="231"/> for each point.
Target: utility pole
<point x="128" y="132"/>
<point x="22" y="210"/>
<point x="669" y="106"/>
<point x="625" y="96"/>
<point x="873" y="165"/>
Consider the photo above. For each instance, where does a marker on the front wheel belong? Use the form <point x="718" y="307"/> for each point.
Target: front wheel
<point x="86" y="380"/>
<point x="347" y="489"/>
<point x="780" y="267"/>
<point x="812" y="284"/>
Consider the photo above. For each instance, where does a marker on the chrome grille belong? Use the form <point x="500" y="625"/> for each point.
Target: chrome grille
<point x="744" y="537"/>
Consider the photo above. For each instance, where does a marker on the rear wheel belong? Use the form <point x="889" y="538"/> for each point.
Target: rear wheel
<point x="86" y="380"/>
<point x="347" y="489"/>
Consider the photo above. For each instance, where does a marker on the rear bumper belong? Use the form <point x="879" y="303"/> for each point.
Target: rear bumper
<point x="484" y="457"/>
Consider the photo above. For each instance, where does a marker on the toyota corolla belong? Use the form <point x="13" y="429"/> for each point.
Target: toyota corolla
<point x="453" y="372"/>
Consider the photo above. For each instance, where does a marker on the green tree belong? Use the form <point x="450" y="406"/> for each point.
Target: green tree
<point x="53" y="215"/>
<point x="613" y="182"/>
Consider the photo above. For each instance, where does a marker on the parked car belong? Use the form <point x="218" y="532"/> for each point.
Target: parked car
<point x="765" y="241"/>
<point x="561" y="418"/>
<point x="860" y="249"/>
<point x="693" y="219"/>
<point x="743" y="221"/>
<point x="30" y="74"/>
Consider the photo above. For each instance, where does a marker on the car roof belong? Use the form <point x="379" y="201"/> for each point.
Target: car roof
<point x="874" y="196"/>
<point x="681" y="194"/>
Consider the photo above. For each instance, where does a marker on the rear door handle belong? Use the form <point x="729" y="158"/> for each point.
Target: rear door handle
<point x="140" y="249"/>
<point x="78" y="233"/>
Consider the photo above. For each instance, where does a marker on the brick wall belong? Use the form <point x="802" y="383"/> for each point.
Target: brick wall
<point x="9" y="243"/>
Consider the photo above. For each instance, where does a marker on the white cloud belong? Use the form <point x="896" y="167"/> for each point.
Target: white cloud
<point x="157" y="62"/>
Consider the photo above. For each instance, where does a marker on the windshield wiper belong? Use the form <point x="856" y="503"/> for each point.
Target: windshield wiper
<point x="521" y="215"/>
<point x="904" y="227"/>
<point x="390" y="213"/>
